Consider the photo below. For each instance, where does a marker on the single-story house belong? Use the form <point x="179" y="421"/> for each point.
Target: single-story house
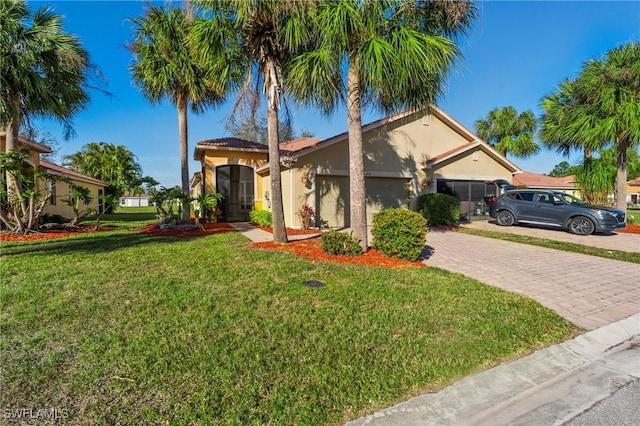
<point x="59" y="190"/>
<point x="537" y="181"/>
<point x="406" y="154"/>
<point x="133" y="200"/>
<point x="633" y="191"/>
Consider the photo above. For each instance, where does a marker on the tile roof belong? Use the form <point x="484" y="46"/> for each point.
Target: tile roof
<point x="634" y="182"/>
<point x="299" y="144"/>
<point x="55" y="169"/>
<point x="535" y="180"/>
<point x="234" y="143"/>
<point x="25" y="142"/>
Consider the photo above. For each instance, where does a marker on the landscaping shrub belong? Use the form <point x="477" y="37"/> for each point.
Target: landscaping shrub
<point x="439" y="209"/>
<point x="261" y="217"/>
<point x="307" y="215"/>
<point x="334" y="242"/>
<point x="399" y="233"/>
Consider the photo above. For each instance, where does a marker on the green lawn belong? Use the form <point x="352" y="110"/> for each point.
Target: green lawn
<point x="123" y="328"/>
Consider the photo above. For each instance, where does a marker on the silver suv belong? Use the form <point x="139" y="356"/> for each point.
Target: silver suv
<point x="554" y="208"/>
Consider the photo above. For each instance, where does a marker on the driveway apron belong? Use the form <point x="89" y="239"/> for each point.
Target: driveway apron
<point x="587" y="290"/>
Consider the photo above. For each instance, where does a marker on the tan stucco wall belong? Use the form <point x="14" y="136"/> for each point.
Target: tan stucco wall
<point x="394" y="158"/>
<point x="62" y="192"/>
<point x="214" y="158"/>
<point x="474" y="165"/>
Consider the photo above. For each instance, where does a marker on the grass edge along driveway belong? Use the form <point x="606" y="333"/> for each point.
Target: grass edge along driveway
<point x="123" y="328"/>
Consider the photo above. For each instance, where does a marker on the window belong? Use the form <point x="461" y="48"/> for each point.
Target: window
<point x="51" y="189"/>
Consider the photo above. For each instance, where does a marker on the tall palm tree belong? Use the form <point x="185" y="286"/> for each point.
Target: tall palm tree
<point x="114" y="164"/>
<point x="600" y="107"/>
<point x="165" y="67"/>
<point x="509" y="132"/>
<point x="396" y="54"/>
<point x="269" y="33"/>
<point x="44" y="70"/>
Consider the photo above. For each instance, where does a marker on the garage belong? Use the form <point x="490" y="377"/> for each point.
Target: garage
<point x="332" y="193"/>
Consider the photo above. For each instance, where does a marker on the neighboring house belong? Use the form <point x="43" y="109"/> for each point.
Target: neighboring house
<point x="59" y="189"/>
<point x="633" y="191"/>
<point x="406" y="155"/>
<point x="538" y="181"/>
<point x="131" y="200"/>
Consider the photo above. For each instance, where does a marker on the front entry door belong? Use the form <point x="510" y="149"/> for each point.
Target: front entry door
<point x="235" y="183"/>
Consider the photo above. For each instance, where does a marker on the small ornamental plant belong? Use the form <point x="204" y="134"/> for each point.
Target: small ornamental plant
<point x="307" y="215"/>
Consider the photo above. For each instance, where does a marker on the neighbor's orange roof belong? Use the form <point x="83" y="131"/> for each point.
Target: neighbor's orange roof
<point x="535" y="180"/>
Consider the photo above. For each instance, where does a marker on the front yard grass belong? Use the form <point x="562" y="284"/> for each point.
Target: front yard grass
<point x="125" y="328"/>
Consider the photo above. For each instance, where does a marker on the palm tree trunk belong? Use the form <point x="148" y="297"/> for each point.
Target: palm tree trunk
<point x="621" y="176"/>
<point x="184" y="148"/>
<point x="11" y="143"/>
<point x="277" y="209"/>
<point x="357" y="187"/>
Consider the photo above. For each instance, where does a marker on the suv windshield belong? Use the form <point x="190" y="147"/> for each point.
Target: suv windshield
<point x="570" y="199"/>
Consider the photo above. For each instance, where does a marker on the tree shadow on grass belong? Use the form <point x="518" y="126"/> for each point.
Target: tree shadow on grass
<point x="94" y="245"/>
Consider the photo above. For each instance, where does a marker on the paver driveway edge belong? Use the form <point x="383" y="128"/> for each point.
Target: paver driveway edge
<point x="590" y="291"/>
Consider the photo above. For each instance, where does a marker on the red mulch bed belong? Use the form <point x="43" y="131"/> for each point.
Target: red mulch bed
<point x="291" y="231"/>
<point x="51" y="234"/>
<point x="209" y="228"/>
<point x="630" y="229"/>
<point x="310" y="249"/>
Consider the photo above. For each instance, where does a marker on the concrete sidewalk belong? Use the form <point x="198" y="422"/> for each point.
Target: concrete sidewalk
<point x="548" y="387"/>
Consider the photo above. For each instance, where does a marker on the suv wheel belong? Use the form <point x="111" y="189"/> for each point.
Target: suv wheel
<point x="581" y="225"/>
<point x="505" y="218"/>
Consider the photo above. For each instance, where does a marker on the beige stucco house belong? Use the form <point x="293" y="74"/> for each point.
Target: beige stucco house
<point x="633" y="191"/>
<point x="406" y="155"/>
<point x="59" y="189"/>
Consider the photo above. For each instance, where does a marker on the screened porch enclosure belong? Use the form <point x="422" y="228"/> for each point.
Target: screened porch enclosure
<point x="471" y="195"/>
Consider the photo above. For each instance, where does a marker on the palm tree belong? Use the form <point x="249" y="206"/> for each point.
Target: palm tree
<point x="269" y="32"/>
<point x="509" y="132"/>
<point x="396" y="55"/>
<point x="600" y="107"/>
<point x="114" y="164"/>
<point x="44" y="70"/>
<point x="165" y="67"/>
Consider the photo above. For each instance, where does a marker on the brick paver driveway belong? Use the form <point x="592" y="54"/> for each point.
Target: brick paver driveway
<point x="587" y="290"/>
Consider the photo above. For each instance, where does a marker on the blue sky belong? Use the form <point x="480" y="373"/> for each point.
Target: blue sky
<point x="516" y="52"/>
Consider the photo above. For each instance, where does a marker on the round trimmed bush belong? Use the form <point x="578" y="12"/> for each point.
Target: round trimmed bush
<point x="399" y="233"/>
<point x="439" y="209"/>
